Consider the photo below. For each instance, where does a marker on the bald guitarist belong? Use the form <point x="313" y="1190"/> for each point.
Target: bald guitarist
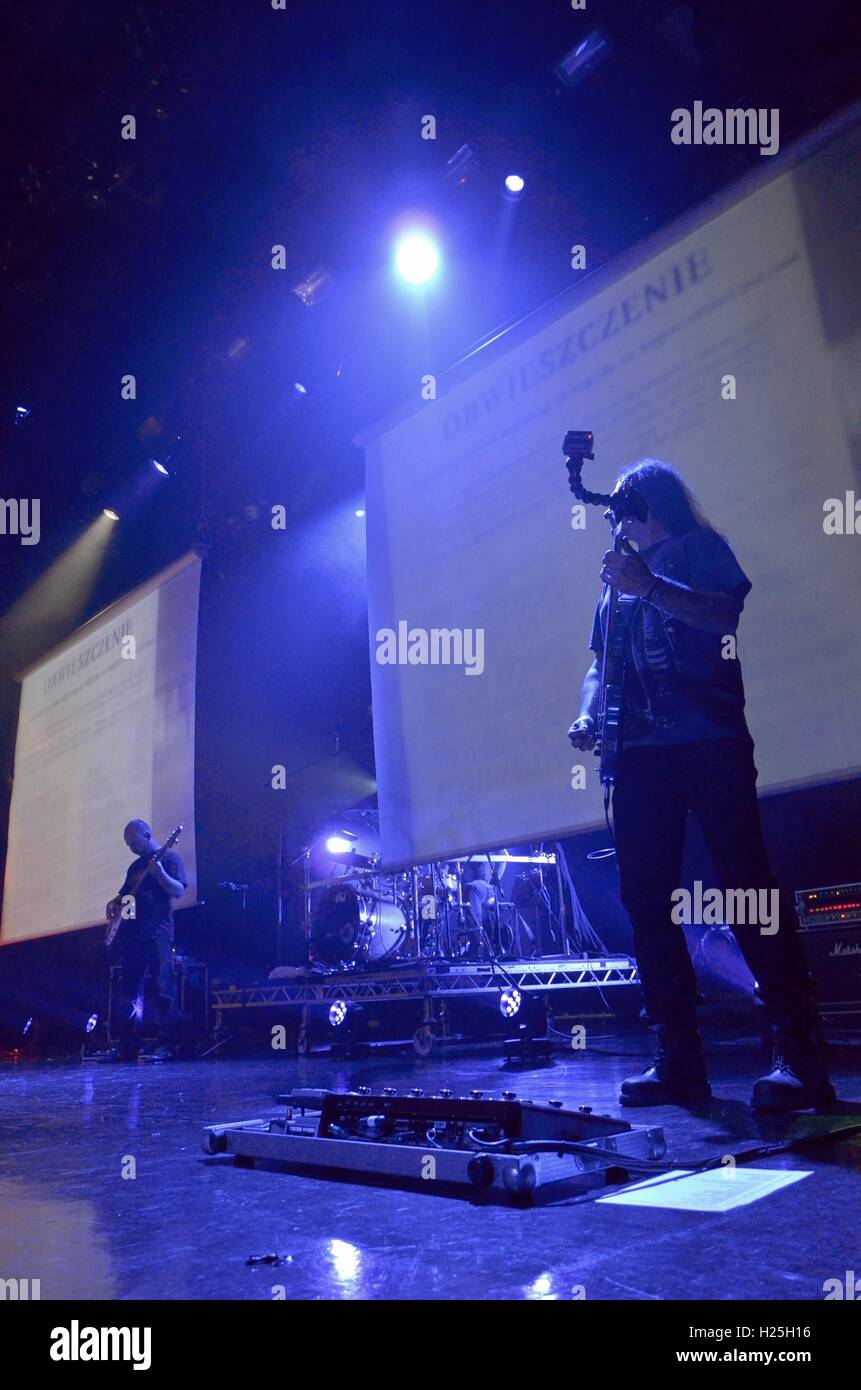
<point x="140" y="922"/>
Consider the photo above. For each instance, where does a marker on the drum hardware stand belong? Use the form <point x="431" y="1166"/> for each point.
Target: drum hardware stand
<point x="451" y="932"/>
<point x="477" y="930"/>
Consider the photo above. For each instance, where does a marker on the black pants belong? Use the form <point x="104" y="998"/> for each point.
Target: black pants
<point x="151" y="956"/>
<point x="476" y="895"/>
<point x="715" y="780"/>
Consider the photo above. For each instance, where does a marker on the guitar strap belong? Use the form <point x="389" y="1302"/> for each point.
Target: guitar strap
<point x="625" y="609"/>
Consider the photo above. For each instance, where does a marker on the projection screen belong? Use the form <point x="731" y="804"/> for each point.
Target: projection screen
<point x="105" y="734"/>
<point x="470" y="525"/>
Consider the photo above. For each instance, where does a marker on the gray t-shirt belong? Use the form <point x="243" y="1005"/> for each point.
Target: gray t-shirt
<point x="679" y="687"/>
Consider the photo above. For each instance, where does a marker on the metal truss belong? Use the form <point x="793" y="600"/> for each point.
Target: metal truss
<point x="434" y="979"/>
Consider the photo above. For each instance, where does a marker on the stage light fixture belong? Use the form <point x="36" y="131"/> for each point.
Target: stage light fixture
<point x="341" y="842"/>
<point x="159" y="467"/>
<point x="110" y="514"/>
<point x="338" y="1013"/>
<point x="314" y="288"/>
<point x="300" y="389"/>
<point x="462" y="166"/>
<point x="91" y="1022"/>
<point x="21" y="413"/>
<point x="514" y="186"/>
<point x="416" y="258"/>
<point x="583" y="59"/>
<point x="509" y="1002"/>
<point x="360" y="511"/>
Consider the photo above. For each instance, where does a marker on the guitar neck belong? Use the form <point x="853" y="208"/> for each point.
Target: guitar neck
<point x="611" y="666"/>
<point x="144" y="869"/>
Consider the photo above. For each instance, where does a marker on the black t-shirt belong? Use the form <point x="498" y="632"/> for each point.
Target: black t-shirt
<point x="477" y="871"/>
<point x="153" y="906"/>
<point x="679" y="685"/>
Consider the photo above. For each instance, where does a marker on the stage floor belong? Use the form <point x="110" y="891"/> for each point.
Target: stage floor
<point x="185" y="1226"/>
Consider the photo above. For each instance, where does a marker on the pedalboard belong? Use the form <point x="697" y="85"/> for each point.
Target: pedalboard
<point x="494" y="1145"/>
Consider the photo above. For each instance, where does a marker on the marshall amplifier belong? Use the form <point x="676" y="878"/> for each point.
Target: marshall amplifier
<point x="822" y="907"/>
<point x="830" y="930"/>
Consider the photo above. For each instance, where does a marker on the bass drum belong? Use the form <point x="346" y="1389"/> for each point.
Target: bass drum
<point x="385" y="928"/>
<point x="351" y="928"/>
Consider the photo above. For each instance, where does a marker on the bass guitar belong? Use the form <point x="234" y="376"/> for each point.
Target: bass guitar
<point x="114" y="909"/>
<point x="608" y="744"/>
<point x="577" y="446"/>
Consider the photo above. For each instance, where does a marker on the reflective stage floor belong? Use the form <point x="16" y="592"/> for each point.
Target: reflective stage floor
<point x="185" y="1226"/>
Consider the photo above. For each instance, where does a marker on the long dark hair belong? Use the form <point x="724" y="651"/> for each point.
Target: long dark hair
<point x="667" y="495"/>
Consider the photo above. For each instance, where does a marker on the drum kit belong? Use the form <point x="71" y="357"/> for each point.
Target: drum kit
<point x="361" y="918"/>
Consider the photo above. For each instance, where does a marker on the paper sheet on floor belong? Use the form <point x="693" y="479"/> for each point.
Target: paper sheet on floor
<point x="718" y="1189"/>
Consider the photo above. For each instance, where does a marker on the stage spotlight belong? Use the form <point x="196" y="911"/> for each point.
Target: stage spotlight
<point x="91" y="1022"/>
<point x="21" y="413"/>
<point x="27" y="1026"/>
<point x="159" y="467"/>
<point x="509" y="1002"/>
<point x="360" y="511"/>
<point x="416" y="259"/>
<point x="314" y="288"/>
<point x="300" y="389"/>
<point x="340" y="844"/>
<point x="55" y="604"/>
<point x="338" y="1013"/>
<point x="462" y="166"/>
<point x="582" y="60"/>
<point x="514" y="186"/>
<point x="110" y="514"/>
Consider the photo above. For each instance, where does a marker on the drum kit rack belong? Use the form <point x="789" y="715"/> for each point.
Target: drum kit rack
<point x="366" y="919"/>
<point x="427" y="937"/>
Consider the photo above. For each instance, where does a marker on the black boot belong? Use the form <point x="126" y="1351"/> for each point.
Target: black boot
<point x="798" y="1079"/>
<point x="676" y="1074"/>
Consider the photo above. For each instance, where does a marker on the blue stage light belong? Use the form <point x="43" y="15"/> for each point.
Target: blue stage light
<point x="360" y="511"/>
<point x="160" y="466"/>
<point x="337" y="844"/>
<point x="582" y="60"/>
<point x="91" y="1022"/>
<point x="110" y="514"/>
<point x="509" y="1002"/>
<point x="416" y="258"/>
<point x="514" y="184"/>
<point x="338" y="1012"/>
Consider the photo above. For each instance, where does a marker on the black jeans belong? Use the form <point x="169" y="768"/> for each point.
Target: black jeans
<point x="476" y="895"/>
<point x="151" y="956"/>
<point x="715" y="780"/>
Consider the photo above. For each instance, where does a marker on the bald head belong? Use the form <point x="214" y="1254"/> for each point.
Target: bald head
<point x="138" y="836"/>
